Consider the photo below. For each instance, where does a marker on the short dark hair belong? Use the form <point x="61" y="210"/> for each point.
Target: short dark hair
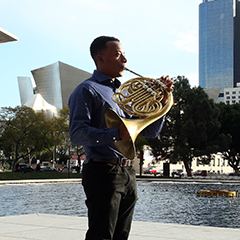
<point x="99" y="44"/>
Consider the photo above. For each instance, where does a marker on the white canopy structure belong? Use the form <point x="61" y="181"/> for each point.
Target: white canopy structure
<point x="6" y="36"/>
<point x="37" y="103"/>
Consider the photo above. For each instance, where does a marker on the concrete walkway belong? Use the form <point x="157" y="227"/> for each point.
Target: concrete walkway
<point x="58" y="227"/>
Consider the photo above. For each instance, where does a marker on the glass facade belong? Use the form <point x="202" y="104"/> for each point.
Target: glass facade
<point x="217" y="28"/>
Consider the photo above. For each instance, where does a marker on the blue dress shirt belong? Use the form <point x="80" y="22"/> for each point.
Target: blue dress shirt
<point x="87" y="127"/>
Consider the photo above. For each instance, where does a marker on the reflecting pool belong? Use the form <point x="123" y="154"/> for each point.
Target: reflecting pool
<point x="166" y="202"/>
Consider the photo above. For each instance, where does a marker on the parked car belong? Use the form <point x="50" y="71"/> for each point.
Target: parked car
<point x="150" y="170"/>
<point x="73" y="169"/>
<point x="159" y="172"/>
<point x="212" y="173"/>
<point x="65" y="169"/>
<point x="23" y="167"/>
<point x="233" y="174"/>
<point x="184" y="174"/>
<point x="47" y="169"/>
<point x="197" y="173"/>
<point x="200" y="173"/>
<point x="76" y="169"/>
<point x="179" y="173"/>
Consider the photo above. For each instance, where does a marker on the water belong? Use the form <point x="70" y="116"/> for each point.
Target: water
<point x="165" y="202"/>
<point x="178" y="203"/>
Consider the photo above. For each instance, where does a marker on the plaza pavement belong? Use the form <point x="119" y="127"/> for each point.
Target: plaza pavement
<point x="59" y="227"/>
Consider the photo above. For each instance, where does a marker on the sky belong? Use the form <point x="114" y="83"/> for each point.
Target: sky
<point x="160" y="37"/>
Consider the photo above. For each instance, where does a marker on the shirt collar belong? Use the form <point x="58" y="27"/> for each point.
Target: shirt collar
<point x="102" y="78"/>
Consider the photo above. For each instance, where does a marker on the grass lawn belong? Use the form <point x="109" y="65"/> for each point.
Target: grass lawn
<point x="37" y="175"/>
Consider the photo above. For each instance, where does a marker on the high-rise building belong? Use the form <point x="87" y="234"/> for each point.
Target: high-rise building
<point x="219" y="44"/>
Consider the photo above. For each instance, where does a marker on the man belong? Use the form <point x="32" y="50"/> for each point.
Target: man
<point x="109" y="184"/>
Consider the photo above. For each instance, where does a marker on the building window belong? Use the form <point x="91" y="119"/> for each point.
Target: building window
<point x="233" y="101"/>
<point x="234" y="92"/>
<point x="233" y="97"/>
<point x="227" y="102"/>
<point x="227" y="93"/>
<point x="228" y="97"/>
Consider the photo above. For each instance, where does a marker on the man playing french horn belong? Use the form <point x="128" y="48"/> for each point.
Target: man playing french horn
<point x="108" y="177"/>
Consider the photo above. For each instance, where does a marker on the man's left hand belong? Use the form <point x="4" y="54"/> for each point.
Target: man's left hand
<point x="169" y="83"/>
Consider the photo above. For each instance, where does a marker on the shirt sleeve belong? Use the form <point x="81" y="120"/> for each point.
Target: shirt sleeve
<point x="81" y="131"/>
<point x="154" y="129"/>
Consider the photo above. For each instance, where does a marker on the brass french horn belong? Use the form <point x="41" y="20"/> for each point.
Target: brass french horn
<point x="141" y="98"/>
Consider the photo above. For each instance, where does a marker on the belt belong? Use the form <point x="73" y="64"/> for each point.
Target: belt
<point x="118" y="161"/>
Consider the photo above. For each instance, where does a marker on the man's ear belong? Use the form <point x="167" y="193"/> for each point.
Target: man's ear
<point x="100" y="58"/>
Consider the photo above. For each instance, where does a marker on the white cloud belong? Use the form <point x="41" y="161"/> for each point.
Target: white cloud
<point x="187" y="41"/>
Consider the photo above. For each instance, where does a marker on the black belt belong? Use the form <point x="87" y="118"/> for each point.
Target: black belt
<point x="118" y="161"/>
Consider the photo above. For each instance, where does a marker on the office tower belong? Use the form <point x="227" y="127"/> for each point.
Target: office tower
<point x="219" y="44"/>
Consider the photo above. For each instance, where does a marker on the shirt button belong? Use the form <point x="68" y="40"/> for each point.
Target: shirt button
<point x="97" y="141"/>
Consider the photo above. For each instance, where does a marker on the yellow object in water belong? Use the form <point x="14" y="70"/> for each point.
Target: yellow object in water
<point x="216" y="193"/>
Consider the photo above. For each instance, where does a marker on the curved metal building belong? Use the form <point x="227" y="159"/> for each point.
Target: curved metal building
<point x="56" y="82"/>
<point x="26" y="88"/>
<point x="50" y="87"/>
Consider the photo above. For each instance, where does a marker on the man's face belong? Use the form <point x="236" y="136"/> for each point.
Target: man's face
<point x="111" y="61"/>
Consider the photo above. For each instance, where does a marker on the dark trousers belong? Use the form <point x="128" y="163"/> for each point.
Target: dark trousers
<point x="111" y="196"/>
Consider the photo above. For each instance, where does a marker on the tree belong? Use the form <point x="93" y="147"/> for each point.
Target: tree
<point x="60" y="126"/>
<point x="230" y="125"/>
<point x="191" y="128"/>
<point x="23" y="132"/>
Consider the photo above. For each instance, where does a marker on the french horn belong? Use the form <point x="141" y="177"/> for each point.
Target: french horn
<point x="141" y="98"/>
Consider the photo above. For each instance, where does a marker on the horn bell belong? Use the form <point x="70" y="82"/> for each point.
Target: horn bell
<point x="134" y="126"/>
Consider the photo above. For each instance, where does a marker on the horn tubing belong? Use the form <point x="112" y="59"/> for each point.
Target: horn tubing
<point x="132" y="72"/>
<point x="139" y="101"/>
